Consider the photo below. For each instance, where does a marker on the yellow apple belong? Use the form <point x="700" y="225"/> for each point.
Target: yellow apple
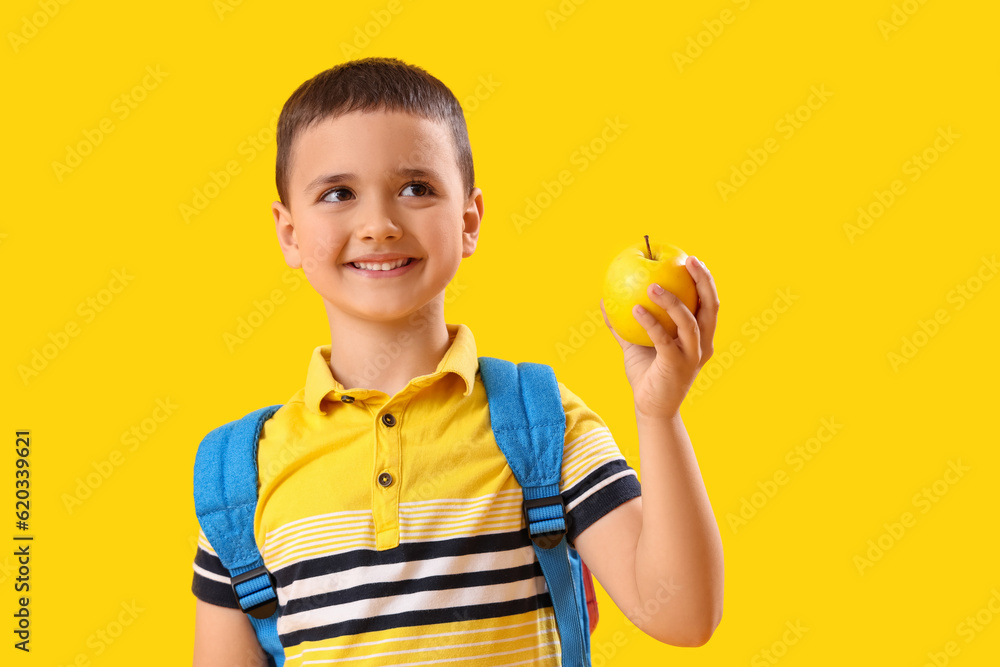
<point x="631" y="273"/>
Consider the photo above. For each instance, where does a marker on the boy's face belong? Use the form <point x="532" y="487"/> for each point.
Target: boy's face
<point x="352" y="193"/>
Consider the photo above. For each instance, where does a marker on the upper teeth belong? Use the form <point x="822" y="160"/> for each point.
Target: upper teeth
<point x="384" y="266"/>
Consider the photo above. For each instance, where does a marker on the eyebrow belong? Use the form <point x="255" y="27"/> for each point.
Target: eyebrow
<point x="328" y="179"/>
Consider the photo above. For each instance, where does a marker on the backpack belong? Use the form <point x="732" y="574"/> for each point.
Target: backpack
<point x="529" y="425"/>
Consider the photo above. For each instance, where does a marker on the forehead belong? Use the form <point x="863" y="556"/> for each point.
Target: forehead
<point x="372" y="142"/>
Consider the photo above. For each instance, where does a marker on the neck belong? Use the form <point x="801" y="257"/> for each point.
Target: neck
<point x="386" y="355"/>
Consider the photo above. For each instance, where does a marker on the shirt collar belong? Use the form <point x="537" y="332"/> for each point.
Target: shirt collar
<point x="459" y="358"/>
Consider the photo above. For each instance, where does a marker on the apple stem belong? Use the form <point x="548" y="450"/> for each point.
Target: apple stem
<point x="646" y="236"/>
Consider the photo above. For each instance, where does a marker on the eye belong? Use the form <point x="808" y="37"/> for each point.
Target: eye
<point x="326" y="195"/>
<point x="422" y="186"/>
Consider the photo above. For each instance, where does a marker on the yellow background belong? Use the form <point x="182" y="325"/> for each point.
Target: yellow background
<point x="526" y="291"/>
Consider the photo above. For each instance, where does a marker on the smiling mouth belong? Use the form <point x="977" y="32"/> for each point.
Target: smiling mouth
<point x="382" y="266"/>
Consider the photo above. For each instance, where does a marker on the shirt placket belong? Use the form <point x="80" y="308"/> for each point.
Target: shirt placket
<point x="386" y="476"/>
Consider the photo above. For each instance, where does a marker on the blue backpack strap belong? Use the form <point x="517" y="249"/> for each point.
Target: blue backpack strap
<point x="225" y="499"/>
<point x="529" y="425"/>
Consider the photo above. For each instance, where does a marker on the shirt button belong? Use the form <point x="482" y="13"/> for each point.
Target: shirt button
<point x="347" y="399"/>
<point x="388" y="419"/>
<point x="385" y="479"/>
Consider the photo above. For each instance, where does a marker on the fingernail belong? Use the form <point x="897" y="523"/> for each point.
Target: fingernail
<point x="657" y="289"/>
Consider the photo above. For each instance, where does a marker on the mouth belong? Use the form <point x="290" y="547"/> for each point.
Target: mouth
<point x="382" y="269"/>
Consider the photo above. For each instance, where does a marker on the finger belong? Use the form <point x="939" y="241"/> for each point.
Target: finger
<point x="687" y="326"/>
<point x="621" y="341"/>
<point x="708" y="297"/>
<point x="656" y="331"/>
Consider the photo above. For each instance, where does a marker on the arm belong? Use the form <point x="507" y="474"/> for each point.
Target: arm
<point x="223" y="637"/>
<point x="672" y="594"/>
<point x="678" y="512"/>
<point x="659" y="556"/>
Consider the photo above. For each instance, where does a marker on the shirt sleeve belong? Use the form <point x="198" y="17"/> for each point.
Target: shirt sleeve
<point x="595" y="476"/>
<point x="211" y="578"/>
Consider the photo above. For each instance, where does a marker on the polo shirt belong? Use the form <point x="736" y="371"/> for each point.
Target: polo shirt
<point x="393" y="524"/>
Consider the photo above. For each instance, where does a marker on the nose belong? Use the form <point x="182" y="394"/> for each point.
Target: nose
<point x="375" y="222"/>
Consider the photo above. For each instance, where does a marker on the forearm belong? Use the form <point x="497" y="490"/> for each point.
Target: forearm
<point x="678" y="559"/>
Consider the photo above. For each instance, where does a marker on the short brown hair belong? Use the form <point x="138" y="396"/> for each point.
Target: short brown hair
<point x="370" y="84"/>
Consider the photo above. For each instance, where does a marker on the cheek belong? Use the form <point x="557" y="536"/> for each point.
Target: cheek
<point x="324" y="247"/>
<point x="446" y="249"/>
<point x="319" y="250"/>
<point x="449" y="239"/>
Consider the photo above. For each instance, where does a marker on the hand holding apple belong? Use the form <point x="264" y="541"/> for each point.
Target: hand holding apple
<point x="662" y="371"/>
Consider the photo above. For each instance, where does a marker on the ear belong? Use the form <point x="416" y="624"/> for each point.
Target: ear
<point x="286" y="235"/>
<point x="472" y="217"/>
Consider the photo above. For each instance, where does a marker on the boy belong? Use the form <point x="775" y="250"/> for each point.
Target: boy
<point x="386" y="512"/>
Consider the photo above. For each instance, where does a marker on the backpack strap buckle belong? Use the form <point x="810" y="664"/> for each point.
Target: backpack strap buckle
<point x="255" y="592"/>
<point x="547" y="525"/>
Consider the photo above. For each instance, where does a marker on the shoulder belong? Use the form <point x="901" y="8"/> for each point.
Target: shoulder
<point x="569" y="398"/>
<point x="596" y="477"/>
<point x="256" y="417"/>
<point x="579" y="415"/>
<point x="227" y="449"/>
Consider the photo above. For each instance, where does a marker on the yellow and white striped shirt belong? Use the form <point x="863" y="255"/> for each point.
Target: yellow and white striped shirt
<point x="399" y="540"/>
